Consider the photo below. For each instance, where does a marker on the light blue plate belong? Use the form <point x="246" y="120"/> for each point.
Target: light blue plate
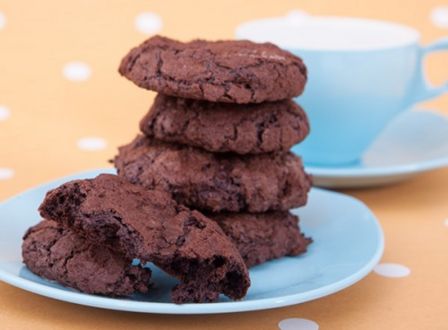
<point x="413" y="143"/>
<point x="348" y="242"/>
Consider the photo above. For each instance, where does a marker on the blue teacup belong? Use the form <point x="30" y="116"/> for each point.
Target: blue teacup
<point x="362" y="73"/>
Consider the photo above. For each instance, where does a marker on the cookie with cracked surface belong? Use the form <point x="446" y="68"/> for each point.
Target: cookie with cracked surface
<point x="260" y="237"/>
<point x="57" y="253"/>
<point x="234" y="71"/>
<point x="215" y="182"/>
<point x="150" y="226"/>
<point x="224" y="127"/>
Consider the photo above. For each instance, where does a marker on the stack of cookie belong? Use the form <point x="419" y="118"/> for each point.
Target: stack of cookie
<point x="218" y="135"/>
<point x="216" y="140"/>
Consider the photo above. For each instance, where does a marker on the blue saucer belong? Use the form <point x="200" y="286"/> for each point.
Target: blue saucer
<point x="415" y="142"/>
<point x="348" y="242"/>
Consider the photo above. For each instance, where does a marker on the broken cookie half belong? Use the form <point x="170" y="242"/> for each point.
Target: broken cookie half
<point x="151" y="227"/>
<point x="59" y="254"/>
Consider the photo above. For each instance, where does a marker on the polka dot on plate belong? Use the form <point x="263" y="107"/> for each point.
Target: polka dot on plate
<point x="6" y="173"/>
<point x="77" y="71"/>
<point x="392" y="270"/>
<point x="2" y="20"/>
<point x="4" y="113"/>
<point x="297" y="324"/>
<point x="92" y="143"/>
<point x="148" y="23"/>
<point x="439" y="16"/>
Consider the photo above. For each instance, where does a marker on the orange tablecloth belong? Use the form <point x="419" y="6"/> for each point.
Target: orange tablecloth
<point x="64" y="108"/>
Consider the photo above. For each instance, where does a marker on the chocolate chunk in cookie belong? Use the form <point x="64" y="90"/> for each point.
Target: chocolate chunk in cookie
<point x="234" y="71"/>
<point x="260" y="237"/>
<point x="223" y="127"/>
<point x="150" y="226"/>
<point x="57" y="253"/>
<point x="216" y="182"/>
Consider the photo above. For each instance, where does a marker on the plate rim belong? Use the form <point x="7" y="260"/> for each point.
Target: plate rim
<point x="204" y="308"/>
<point x="383" y="171"/>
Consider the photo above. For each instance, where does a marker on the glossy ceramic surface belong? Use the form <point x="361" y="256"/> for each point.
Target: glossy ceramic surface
<point x="413" y="143"/>
<point x="353" y="90"/>
<point x="348" y="242"/>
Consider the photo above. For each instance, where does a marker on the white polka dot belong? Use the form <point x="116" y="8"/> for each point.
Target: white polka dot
<point x="297" y="324"/>
<point x="4" y="113"/>
<point x="439" y="16"/>
<point x="77" y="71"/>
<point x="445" y="222"/>
<point x="2" y="20"/>
<point x="6" y="173"/>
<point x="148" y="23"/>
<point x="92" y="143"/>
<point x="392" y="270"/>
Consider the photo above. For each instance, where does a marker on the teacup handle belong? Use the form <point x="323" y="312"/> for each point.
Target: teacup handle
<point x="424" y="90"/>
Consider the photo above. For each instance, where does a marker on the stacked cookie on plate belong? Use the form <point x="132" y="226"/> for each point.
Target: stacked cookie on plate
<point x="215" y="141"/>
<point x="218" y="134"/>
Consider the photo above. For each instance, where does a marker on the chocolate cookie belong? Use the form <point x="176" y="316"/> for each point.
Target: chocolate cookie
<point x="215" y="182"/>
<point x="150" y="226"/>
<point x="234" y="71"/>
<point x="260" y="237"/>
<point x="224" y="127"/>
<point x="58" y="254"/>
